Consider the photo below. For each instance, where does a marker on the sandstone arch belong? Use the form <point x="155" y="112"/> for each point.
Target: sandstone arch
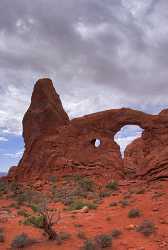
<point x="55" y="145"/>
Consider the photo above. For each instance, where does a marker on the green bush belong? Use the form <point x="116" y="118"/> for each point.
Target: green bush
<point x="23" y="213"/>
<point x="76" y="205"/>
<point x="104" y="240"/>
<point x="22" y="241"/>
<point x="146" y="228"/>
<point x="79" y="204"/>
<point x="86" y="184"/>
<point x="91" y="205"/>
<point x="113" y="185"/>
<point x="88" y="245"/>
<point x="36" y="221"/>
<point x="134" y="212"/>
<point x="34" y="208"/>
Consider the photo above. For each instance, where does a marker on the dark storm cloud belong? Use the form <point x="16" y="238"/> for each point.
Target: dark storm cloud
<point x="100" y="54"/>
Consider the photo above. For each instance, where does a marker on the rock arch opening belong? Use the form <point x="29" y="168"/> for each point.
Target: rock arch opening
<point x="96" y="142"/>
<point x="126" y="135"/>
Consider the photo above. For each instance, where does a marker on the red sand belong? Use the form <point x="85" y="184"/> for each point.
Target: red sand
<point x="102" y="220"/>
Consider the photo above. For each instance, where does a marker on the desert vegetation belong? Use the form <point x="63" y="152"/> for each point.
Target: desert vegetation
<point x="75" y="200"/>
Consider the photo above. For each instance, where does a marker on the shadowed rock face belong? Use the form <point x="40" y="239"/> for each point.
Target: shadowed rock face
<point x="54" y="145"/>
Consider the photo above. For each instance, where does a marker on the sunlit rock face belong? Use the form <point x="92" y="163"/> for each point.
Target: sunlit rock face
<point x="54" y="145"/>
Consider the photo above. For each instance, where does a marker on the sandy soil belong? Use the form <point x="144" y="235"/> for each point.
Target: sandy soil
<point x="153" y="204"/>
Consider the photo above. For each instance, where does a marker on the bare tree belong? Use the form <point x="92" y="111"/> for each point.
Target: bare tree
<point x="50" y="218"/>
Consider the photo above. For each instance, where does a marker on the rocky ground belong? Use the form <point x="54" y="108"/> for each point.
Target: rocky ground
<point x="121" y="215"/>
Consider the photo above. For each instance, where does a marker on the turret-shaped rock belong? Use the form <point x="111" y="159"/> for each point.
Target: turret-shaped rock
<point x="45" y="113"/>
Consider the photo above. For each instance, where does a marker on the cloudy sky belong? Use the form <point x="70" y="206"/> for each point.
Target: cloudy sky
<point x="100" y="55"/>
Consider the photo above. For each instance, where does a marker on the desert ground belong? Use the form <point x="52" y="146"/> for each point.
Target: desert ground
<point x="125" y="215"/>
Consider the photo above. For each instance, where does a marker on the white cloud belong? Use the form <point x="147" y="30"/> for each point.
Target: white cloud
<point x="135" y="7"/>
<point x="90" y="31"/>
<point x="3" y="139"/>
<point x="13" y="106"/>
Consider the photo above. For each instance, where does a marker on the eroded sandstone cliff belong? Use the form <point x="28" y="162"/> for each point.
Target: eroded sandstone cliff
<point x="54" y="145"/>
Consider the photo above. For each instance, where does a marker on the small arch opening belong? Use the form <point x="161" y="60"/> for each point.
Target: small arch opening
<point x="126" y="135"/>
<point x="96" y="142"/>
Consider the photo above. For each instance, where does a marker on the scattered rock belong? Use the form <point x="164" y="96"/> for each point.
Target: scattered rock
<point x="85" y="209"/>
<point x="131" y="227"/>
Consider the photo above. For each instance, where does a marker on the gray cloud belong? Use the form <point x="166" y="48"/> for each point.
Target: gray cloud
<point x="100" y="54"/>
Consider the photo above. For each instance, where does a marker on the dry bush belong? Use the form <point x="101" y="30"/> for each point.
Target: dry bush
<point x="50" y="218"/>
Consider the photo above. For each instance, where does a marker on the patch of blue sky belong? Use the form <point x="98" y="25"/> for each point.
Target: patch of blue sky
<point x="10" y="151"/>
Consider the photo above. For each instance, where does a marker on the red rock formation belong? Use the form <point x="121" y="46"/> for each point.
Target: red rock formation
<point x="45" y="113"/>
<point x="56" y="146"/>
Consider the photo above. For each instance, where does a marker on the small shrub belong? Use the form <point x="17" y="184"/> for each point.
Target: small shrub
<point x="34" y="208"/>
<point x="88" y="245"/>
<point x="124" y="202"/>
<point x="133" y="213"/>
<point x="91" y="205"/>
<point x="23" y="213"/>
<point x="86" y="184"/>
<point x="146" y="228"/>
<point x="76" y="205"/>
<point x="64" y="236"/>
<point x="104" y="194"/>
<point x="79" y="204"/>
<point x="116" y="233"/>
<point x="113" y="185"/>
<point x="22" y="241"/>
<point x="36" y="221"/>
<point x="104" y="240"/>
